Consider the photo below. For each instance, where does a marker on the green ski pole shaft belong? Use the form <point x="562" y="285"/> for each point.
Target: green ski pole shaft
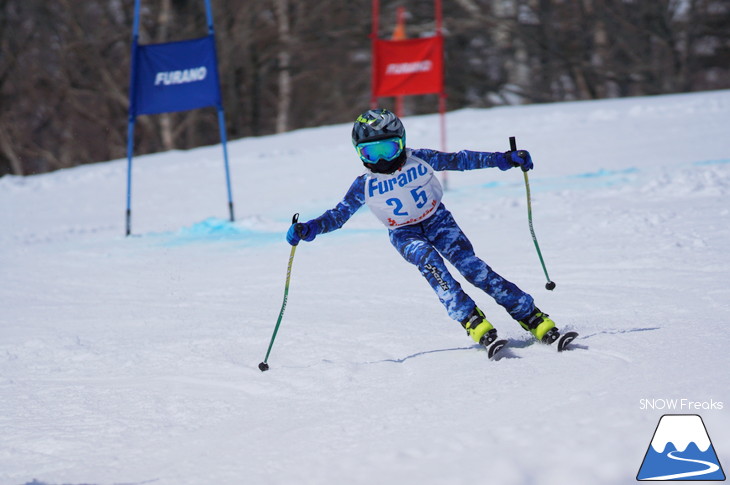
<point x="264" y="366"/>
<point x="550" y="285"/>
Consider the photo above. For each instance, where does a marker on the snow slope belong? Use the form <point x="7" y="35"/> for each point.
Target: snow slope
<point x="133" y="360"/>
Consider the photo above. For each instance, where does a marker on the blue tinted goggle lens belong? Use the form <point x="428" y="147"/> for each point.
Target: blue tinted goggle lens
<point x="374" y="151"/>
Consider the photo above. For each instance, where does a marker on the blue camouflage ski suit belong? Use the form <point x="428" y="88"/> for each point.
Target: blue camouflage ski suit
<point x="433" y="235"/>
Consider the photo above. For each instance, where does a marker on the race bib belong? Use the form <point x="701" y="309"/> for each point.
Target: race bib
<point x="408" y="196"/>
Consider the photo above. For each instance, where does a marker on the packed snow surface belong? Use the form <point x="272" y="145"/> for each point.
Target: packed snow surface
<point x="133" y="360"/>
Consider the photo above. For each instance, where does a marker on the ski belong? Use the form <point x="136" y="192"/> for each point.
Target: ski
<point x="494" y="348"/>
<point x="565" y="340"/>
<point x="562" y="343"/>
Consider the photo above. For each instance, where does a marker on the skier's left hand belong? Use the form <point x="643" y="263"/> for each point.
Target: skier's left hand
<point x="520" y="158"/>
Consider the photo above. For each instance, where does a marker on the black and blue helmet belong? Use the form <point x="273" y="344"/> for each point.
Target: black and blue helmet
<point x="379" y="138"/>
<point x="377" y="124"/>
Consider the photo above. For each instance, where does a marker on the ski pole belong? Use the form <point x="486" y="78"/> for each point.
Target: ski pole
<point x="550" y="285"/>
<point x="264" y="366"/>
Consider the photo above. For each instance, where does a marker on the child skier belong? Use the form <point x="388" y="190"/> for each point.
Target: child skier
<point x="400" y="188"/>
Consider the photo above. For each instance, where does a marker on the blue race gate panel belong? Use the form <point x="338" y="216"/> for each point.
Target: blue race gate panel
<point x="176" y="76"/>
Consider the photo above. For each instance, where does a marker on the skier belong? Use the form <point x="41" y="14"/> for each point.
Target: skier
<point x="401" y="190"/>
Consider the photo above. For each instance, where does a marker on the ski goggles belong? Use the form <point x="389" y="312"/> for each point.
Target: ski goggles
<point x="374" y="151"/>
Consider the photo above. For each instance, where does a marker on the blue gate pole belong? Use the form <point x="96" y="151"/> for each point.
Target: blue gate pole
<point x="132" y="116"/>
<point x="209" y="16"/>
<point x="130" y="150"/>
<point x="221" y="114"/>
<point x="222" y="127"/>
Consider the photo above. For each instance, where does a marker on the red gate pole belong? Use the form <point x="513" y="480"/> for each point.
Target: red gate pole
<point x="373" y="49"/>
<point x="399" y="33"/>
<point x="442" y="93"/>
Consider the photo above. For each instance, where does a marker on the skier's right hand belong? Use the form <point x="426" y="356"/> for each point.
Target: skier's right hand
<point x="301" y="231"/>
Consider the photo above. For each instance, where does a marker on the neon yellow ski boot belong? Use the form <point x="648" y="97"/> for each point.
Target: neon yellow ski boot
<point x="479" y="329"/>
<point x="541" y="326"/>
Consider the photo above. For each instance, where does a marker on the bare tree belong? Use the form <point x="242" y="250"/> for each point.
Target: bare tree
<point x="284" y="58"/>
<point x="287" y="64"/>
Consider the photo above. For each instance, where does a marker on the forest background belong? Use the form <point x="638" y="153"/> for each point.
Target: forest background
<point x="288" y="64"/>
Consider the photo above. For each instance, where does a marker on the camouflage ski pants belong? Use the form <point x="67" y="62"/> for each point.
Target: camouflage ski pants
<point x="425" y="243"/>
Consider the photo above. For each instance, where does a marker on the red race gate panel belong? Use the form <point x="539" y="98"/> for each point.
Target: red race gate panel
<point x="407" y="67"/>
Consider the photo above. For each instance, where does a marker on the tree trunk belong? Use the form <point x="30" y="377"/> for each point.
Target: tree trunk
<point x="164" y="20"/>
<point x="284" y="59"/>
<point x="6" y="148"/>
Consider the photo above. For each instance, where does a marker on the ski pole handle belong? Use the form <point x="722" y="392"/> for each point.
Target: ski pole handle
<point x="521" y="153"/>
<point x="301" y="229"/>
<point x="294" y="220"/>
